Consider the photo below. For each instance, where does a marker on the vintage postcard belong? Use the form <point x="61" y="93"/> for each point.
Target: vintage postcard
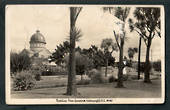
<point x="85" y="54"/>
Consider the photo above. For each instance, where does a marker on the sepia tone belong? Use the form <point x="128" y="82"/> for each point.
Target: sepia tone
<point x="98" y="54"/>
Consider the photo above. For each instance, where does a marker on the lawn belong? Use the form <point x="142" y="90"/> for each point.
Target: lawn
<point x="55" y="87"/>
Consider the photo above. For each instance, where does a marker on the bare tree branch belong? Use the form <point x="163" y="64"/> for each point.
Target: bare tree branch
<point x="153" y="35"/>
<point x="142" y="35"/>
<point x="159" y="34"/>
<point x="145" y="41"/>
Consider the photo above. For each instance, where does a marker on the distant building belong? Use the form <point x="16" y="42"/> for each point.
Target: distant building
<point x="37" y="48"/>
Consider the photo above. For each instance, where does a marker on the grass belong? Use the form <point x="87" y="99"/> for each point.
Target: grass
<point x="55" y="87"/>
<point x="51" y="81"/>
<point x="134" y="89"/>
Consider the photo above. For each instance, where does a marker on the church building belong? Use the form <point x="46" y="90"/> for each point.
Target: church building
<point x="37" y="50"/>
<point x="37" y="46"/>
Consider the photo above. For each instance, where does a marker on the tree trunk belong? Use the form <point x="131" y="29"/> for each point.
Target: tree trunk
<point x="120" y="72"/>
<point x="71" y="86"/>
<point x="106" y="67"/>
<point x="147" y="63"/>
<point x="139" y="57"/>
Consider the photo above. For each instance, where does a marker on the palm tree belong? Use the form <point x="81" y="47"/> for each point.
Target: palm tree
<point x="74" y="35"/>
<point x="121" y="14"/>
<point x="106" y="45"/>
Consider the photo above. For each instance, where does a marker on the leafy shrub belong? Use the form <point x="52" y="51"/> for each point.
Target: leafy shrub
<point x="142" y="66"/>
<point x="36" y="71"/>
<point x="80" y="69"/>
<point x="23" y="81"/>
<point x="133" y="77"/>
<point x="98" y="78"/>
<point x="92" y="72"/>
<point x="36" y="74"/>
<point x="125" y="77"/>
<point x="157" y="65"/>
<point x="83" y="82"/>
<point x="111" y="79"/>
<point x="37" y="77"/>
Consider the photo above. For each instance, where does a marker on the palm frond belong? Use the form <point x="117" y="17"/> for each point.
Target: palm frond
<point x="75" y="33"/>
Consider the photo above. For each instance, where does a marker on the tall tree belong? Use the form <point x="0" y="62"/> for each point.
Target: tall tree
<point x="74" y="35"/>
<point x="139" y="54"/>
<point x="122" y="14"/>
<point x="108" y="44"/>
<point x="147" y="25"/>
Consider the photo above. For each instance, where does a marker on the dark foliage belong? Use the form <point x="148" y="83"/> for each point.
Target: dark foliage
<point x="111" y="61"/>
<point x="98" y="78"/>
<point x="142" y="67"/>
<point x="131" y="52"/>
<point x="60" y="53"/>
<point x="80" y="69"/>
<point x="157" y="65"/>
<point x="112" y="79"/>
<point x="19" y="62"/>
<point x="97" y="57"/>
<point x="23" y="81"/>
<point x="36" y="74"/>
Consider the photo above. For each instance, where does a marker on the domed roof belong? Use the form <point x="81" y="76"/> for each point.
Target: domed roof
<point x="37" y="38"/>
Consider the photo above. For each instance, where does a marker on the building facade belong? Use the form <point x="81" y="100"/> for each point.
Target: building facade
<point x="37" y="46"/>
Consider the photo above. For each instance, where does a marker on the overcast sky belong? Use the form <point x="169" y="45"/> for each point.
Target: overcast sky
<point x="53" y="22"/>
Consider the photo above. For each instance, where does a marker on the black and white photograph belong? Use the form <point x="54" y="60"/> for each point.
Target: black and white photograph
<point x="84" y="54"/>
